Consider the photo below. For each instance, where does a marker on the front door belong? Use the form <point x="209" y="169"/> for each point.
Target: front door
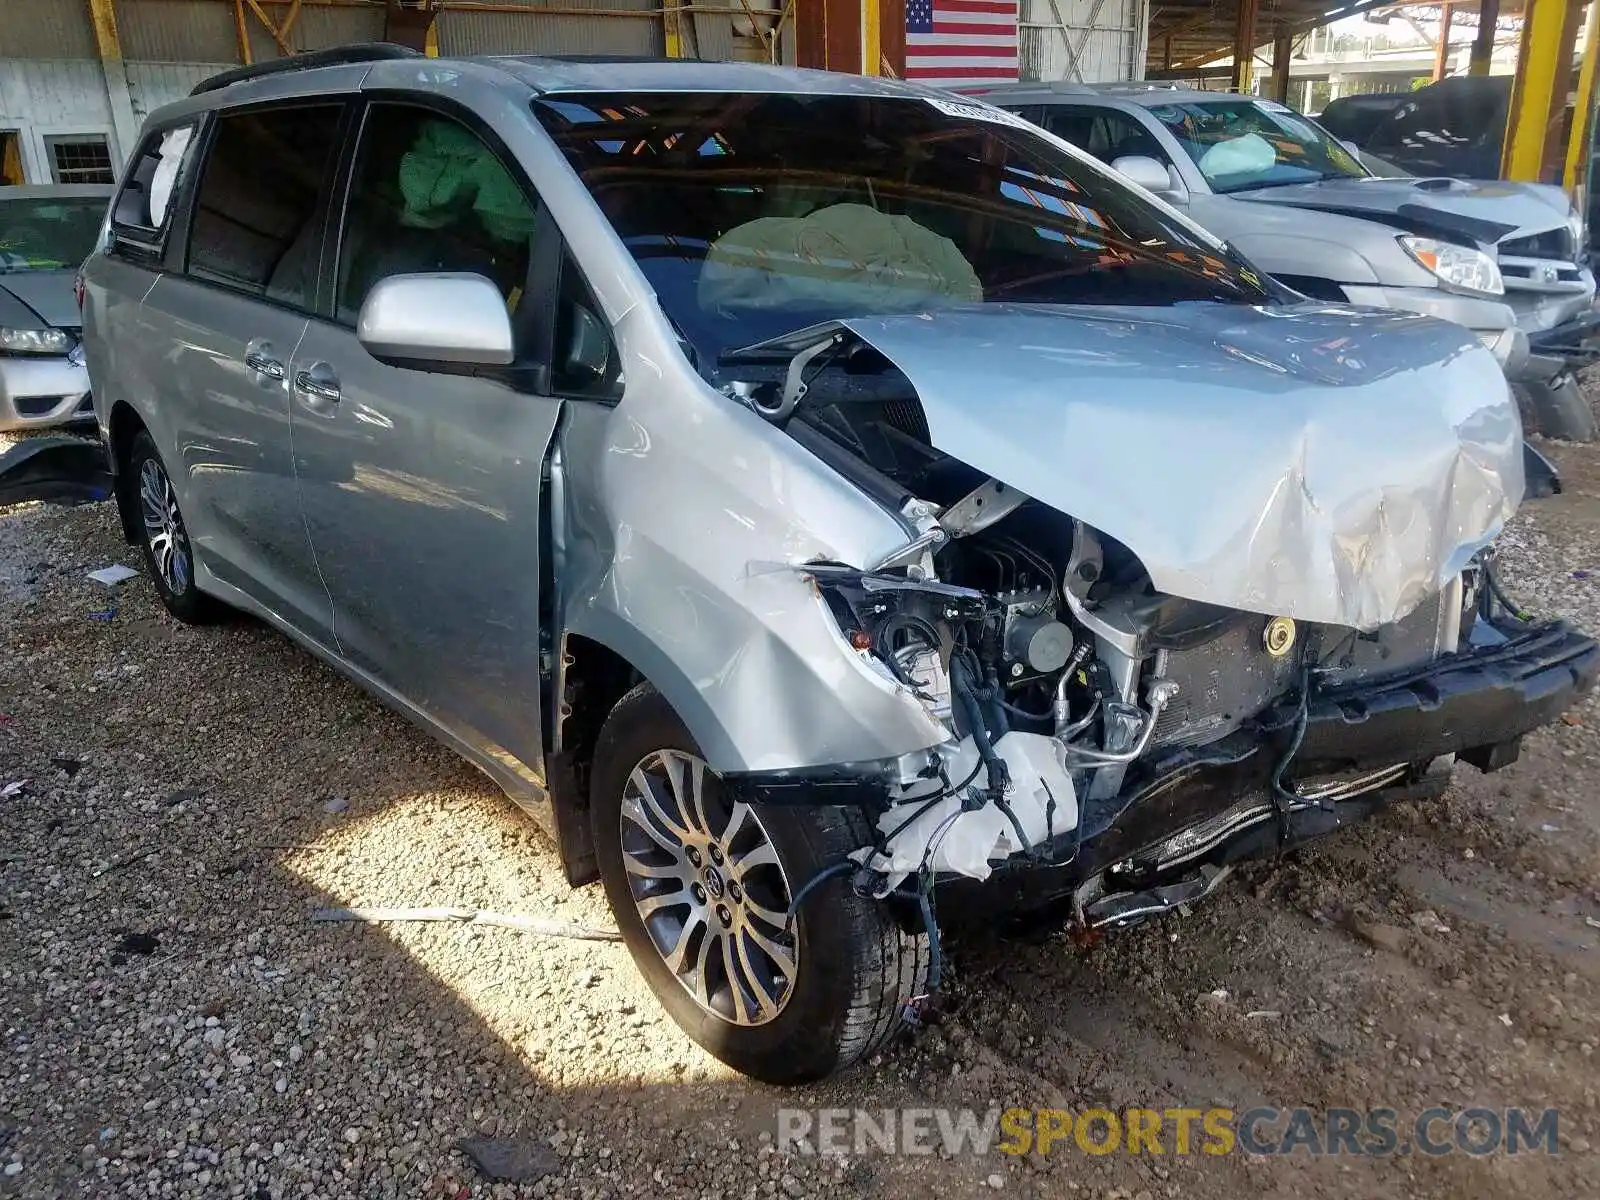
<point x="228" y="328"/>
<point x="421" y="490"/>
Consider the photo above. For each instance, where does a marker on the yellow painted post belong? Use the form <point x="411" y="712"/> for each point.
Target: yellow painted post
<point x="1539" y="92"/>
<point x="1576" y="174"/>
<point x="672" y="28"/>
<point x="109" y="45"/>
<point x="871" y="38"/>
<point x="430" y="40"/>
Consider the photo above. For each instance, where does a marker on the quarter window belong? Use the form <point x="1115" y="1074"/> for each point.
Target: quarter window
<point x="258" y="209"/>
<point x="144" y="207"/>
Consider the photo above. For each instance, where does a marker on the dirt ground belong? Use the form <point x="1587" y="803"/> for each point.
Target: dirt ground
<point x="173" y="1024"/>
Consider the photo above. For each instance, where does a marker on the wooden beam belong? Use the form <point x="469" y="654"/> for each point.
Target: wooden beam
<point x="242" y="33"/>
<point x="1483" y="44"/>
<point x="1282" y="52"/>
<point x="277" y="35"/>
<point x="1441" y="51"/>
<point x="1244" y="45"/>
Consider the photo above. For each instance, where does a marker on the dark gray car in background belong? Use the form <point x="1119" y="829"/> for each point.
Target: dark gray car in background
<point x="810" y="496"/>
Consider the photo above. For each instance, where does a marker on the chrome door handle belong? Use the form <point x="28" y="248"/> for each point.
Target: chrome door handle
<point x="315" y="392"/>
<point x="263" y="364"/>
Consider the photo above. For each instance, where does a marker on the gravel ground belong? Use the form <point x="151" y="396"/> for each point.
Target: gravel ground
<point x="174" y="1025"/>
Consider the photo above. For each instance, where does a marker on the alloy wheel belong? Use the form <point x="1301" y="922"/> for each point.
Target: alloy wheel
<point x="163" y="526"/>
<point x="709" y="887"/>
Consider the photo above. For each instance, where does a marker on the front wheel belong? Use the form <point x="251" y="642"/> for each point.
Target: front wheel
<point x="702" y="886"/>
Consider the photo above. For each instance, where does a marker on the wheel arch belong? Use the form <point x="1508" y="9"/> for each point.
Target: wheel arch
<point x="123" y="425"/>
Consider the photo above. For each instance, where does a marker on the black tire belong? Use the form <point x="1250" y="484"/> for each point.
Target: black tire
<point x="177" y="589"/>
<point x="855" y="967"/>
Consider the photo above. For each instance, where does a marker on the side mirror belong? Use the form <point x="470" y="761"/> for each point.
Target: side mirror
<point x="587" y="357"/>
<point x="447" y="317"/>
<point x="1150" y="175"/>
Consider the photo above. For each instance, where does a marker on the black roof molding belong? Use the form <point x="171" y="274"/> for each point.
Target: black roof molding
<point x="334" y="56"/>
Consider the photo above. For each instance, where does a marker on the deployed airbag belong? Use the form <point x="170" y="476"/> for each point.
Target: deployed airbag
<point x="845" y="256"/>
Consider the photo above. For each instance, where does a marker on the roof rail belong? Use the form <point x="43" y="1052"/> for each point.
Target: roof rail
<point x="334" y="56"/>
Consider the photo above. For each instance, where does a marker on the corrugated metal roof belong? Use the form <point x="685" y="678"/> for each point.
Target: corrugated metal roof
<point x="176" y="31"/>
<point x="45" y="29"/>
<point x="525" y="30"/>
<point x="318" y="28"/>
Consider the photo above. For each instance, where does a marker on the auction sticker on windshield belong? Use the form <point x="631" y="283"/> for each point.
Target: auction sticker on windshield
<point x="978" y="112"/>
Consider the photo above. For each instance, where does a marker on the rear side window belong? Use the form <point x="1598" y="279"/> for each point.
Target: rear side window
<point x="257" y="224"/>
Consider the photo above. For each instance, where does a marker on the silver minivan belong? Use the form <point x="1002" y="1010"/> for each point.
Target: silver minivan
<point x="830" y="506"/>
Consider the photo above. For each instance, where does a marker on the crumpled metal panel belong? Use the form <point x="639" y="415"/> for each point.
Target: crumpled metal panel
<point x="1318" y="462"/>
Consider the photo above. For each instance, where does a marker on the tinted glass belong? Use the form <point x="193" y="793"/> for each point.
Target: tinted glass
<point x="47" y="235"/>
<point x="258" y="210"/>
<point x="1103" y="132"/>
<point x="430" y="195"/>
<point x="754" y="215"/>
<point x="1240" y="144"/>
<point x="1439" y="120"/>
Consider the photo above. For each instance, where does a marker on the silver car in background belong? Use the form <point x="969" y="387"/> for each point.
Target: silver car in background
<point x="45" y="233"/>
<point x="1506" y="260"/>
<point x="816" y="499"/>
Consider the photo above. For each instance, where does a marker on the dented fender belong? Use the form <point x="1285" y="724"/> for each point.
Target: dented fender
<point x="681" y="519"/>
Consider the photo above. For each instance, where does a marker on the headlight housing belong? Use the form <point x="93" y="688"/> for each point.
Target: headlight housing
<point x="1460" y="267"/>
<point x="34" y="341"/>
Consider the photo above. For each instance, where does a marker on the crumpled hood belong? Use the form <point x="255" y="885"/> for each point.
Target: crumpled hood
<point x="48" y="296"/>
<point x="1486" y="211"/>
<point x="1323" y="463"/>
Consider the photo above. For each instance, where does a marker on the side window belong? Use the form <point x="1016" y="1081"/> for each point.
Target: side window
<point x="1071" y="124"/>
<point x="1122" y="136"/>
<point x="143" y="208"/>
<point x="429" y="194"/>
<point x="257" y="210"/>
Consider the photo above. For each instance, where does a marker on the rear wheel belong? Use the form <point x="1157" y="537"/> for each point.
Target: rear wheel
<point x="164" y="536"/>
<point x="702" y="887"/>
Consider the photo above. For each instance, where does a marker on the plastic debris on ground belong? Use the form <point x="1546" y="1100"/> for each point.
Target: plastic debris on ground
<point x="112" y="575"/>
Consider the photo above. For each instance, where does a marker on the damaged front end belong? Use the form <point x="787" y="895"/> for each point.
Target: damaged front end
<point x="1131" y="711"/>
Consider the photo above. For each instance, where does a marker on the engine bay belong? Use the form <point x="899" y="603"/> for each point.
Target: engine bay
<point x="1068" y="682"/>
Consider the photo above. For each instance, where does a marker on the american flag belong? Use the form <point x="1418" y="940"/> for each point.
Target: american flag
<point x="960" y="43"/>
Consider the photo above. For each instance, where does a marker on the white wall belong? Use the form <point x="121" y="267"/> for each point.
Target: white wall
<point x="45" y="97"/>
<point x="42" y="97"/>
<point x="1105" y="40"/>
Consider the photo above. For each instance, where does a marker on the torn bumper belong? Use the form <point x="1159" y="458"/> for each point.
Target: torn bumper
<point x="59" y="470"/>
<point x="1463" y="704"/>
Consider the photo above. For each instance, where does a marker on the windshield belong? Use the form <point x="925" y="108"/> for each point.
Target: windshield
<point x="1240" y="144"/>
<point x="46" y="234"/>
<point x="754" y="215"/>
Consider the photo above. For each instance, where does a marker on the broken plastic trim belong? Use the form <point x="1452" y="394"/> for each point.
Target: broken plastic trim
<point x="54" y="470"/>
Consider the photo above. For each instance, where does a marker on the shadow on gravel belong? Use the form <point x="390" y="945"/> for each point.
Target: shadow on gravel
<point x="175" y="1025"/>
